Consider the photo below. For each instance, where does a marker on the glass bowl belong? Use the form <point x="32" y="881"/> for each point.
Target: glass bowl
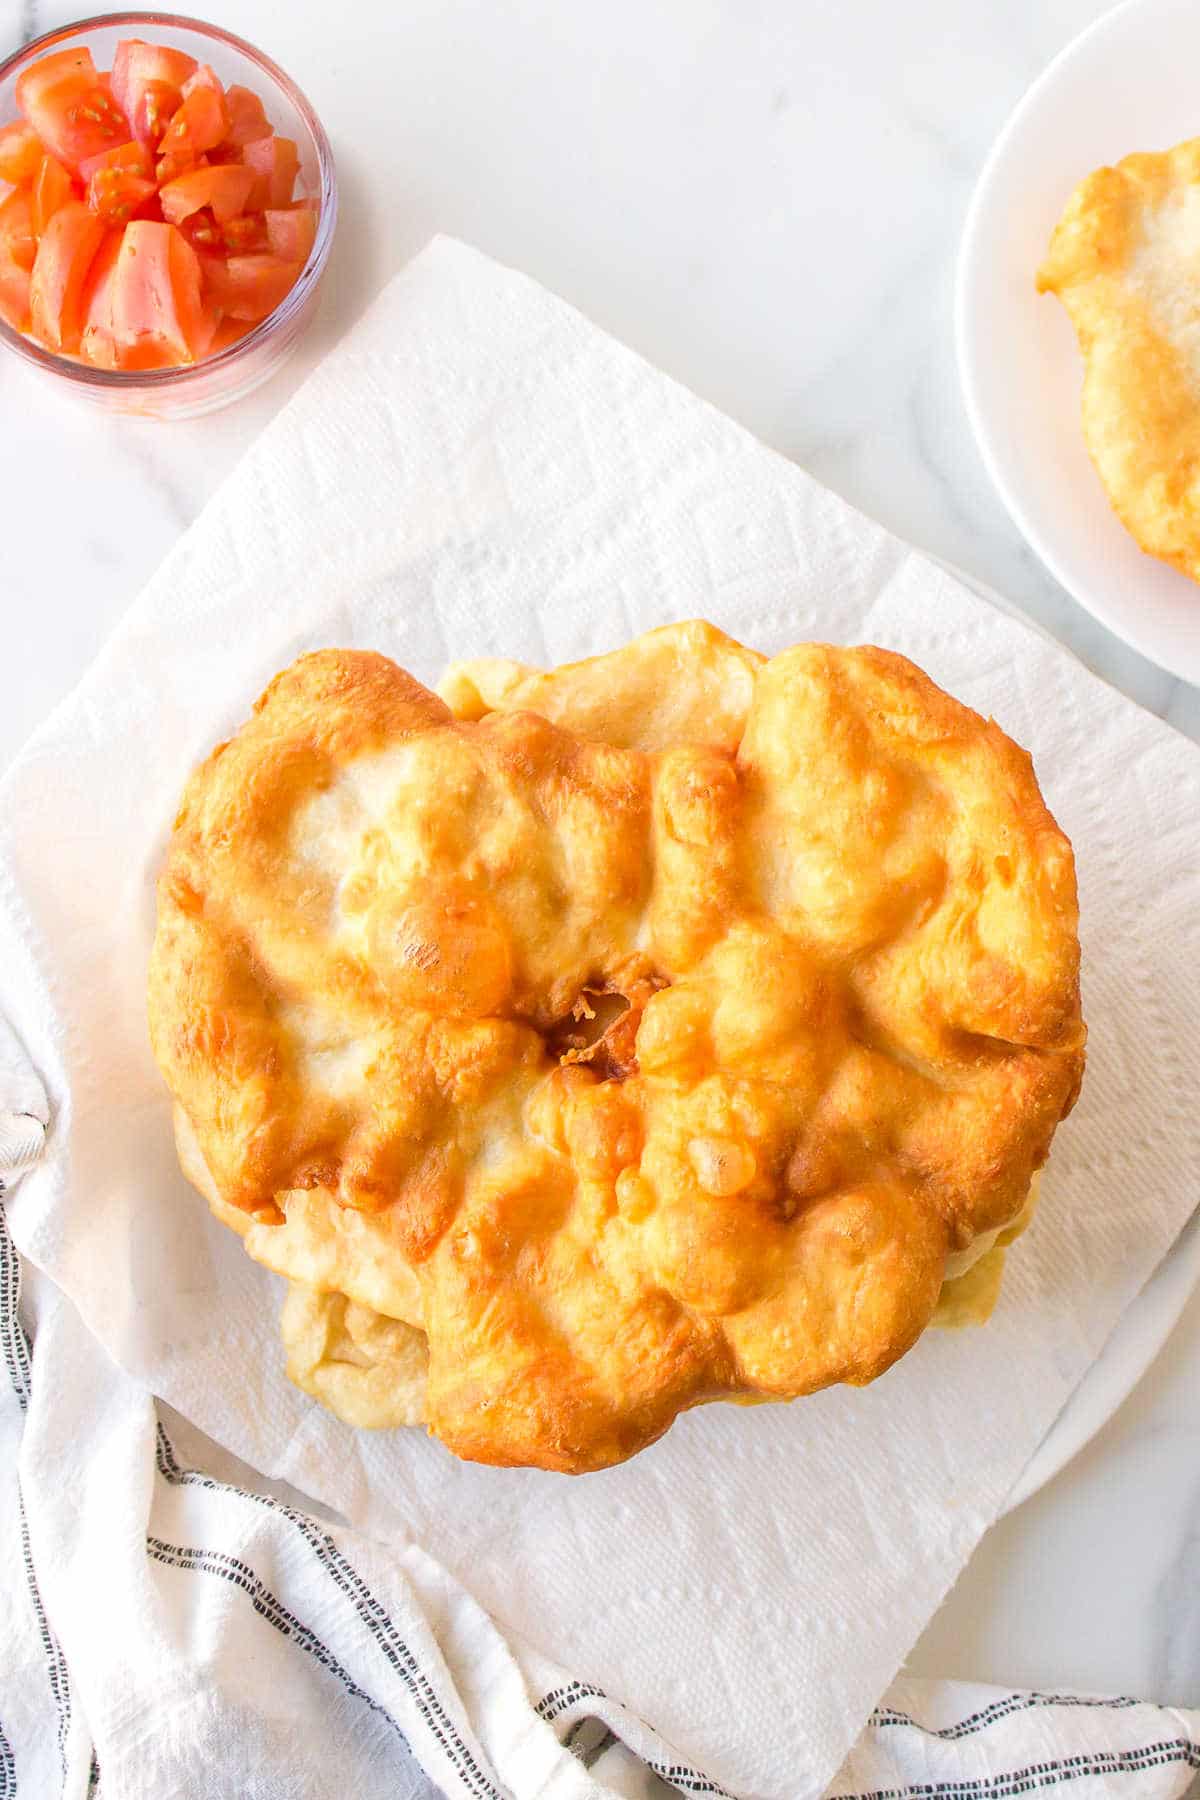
<point x="215" y="381"/>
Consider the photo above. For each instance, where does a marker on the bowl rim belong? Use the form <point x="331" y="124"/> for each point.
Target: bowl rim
<point x="293" y="302"/>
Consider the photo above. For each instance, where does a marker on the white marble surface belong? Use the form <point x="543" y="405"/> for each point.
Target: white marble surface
<point x="764" y="196"/>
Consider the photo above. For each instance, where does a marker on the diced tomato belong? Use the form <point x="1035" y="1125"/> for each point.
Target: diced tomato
<point x="88" y="126"/>
<point x="20" y="152"/>
<point x="228" y="333"/>
<point x="247" y="119"/>
<point x="245" y="233"/>
<point x="156" y="106"/>
<point x="204" y="77"/>
<point x="18" y="243"/>
<point x="200" y="230"/>
<point x="157" y="306"/>
<point x="99" y="343"/>
<point x="152" y="216"/>
<point x="224" y="187"/>
<point x="52" y="188"/>
<point x="133" y="158"/>
<point x="96" y="343"/>
<point x="73" y="115"/>
<point x="17" y="249"/>
<point x="235" y="237"/>
<point x="199" y="125"/>
<point x="65" y="254"/>
<point x="276" y="162"/>
<point x="248" y="287"/>
<point x="115" y="195"/>
<point x="14" y="294"/>
<point x="292" y="232"/>
<point x="61" y="68"/>
<point x="138" y="66"/>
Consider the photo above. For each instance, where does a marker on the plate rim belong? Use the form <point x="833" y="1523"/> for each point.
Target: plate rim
<point x="965" y="276"/>
<point x="1128" y="1353"/>
<point x="1098" y="1394"/>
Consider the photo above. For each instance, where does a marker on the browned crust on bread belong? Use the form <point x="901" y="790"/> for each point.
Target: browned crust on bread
<point x="1123" y="262"/>
<point x="845" y="921"/>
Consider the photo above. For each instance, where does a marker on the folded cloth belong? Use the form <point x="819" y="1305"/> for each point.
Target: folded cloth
<point x="478" y="470"/>
<point x="23" y="1110"/>
<point x="172" y="1625"/>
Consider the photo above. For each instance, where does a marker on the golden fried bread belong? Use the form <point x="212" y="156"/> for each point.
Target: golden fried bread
<point x="684" y="684"/>
<point x="1125" y="261"/>
<point x="971" y="1286"/>
<point x="368" y="1369"/>
<point x="628" y="1071"/>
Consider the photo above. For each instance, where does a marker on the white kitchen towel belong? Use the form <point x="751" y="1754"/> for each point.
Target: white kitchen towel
<point x="478" y="470"/>
<point x="23" y="1109"/>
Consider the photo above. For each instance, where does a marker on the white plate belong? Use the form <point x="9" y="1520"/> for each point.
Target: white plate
<point x="1128" y="83"/>
<point x="1148" y="1321"/>
<point x="1133" y="1346"/>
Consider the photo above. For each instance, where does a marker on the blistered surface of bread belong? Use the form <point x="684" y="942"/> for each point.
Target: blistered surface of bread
<point x="685" y="683"/>
<point x="845" y="926"/>
<point x="1125" y="261"/>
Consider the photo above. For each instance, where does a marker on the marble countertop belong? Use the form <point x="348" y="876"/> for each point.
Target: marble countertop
<point x="765" y="199"/>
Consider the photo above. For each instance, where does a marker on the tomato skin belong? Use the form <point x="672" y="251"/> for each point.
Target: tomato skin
<point x="199" y="125"/>
<point x="15" y="284"/>
<point x="18" y="241"/>
<point x="48" y="72"/>
<point x="276" y="162"/>
<point x="157" y="307"/>
<point x="248" y="287"/>
<point x="132" y="158"/>
<point x="138" y="66"/>
<point x="96" y="342"/>
<point x="18" y="246"/>
<point x="224" y="187"/>
<point x="20" y="152"/>
<point x="52" y="189"/>
<point x="104" y="345"/>
<point x="291" y="232"/>
<point x="65" y="254"/>
<point x="247" y="117"/>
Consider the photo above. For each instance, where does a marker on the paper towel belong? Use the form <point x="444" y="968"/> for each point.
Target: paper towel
<point x="477" y="470"/>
